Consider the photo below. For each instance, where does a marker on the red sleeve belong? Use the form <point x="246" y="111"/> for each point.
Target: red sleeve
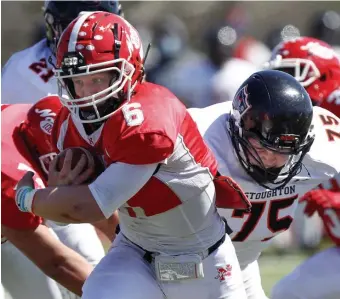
<point x="154" y="138"/>
<point x="10" y="215"/>
<point x="139" y="149"/>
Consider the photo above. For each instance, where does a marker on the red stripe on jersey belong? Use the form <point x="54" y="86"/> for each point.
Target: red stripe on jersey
<point x="154" y="198"/>
<point x="196" y="146"/>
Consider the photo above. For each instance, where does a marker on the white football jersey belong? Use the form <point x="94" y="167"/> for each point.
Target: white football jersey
<point x="272" y="210"/>
<point x="28" y="76"/>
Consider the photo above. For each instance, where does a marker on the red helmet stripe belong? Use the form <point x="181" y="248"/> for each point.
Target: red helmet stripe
<point x="75" y="30"/>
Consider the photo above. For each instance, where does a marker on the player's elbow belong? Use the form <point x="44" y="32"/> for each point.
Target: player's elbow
<point x="84" y="210"/>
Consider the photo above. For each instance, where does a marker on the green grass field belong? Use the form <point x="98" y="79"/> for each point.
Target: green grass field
<point x="274" y="267"/>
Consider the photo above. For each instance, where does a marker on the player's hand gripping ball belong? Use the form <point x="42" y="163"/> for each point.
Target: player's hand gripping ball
<point x="74" y="166"/>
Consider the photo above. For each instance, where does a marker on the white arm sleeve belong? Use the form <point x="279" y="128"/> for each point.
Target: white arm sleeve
<point x="118" y="183"/>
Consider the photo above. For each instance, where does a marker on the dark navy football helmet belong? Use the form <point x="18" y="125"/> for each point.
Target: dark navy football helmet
<point x="59" y="14"/>
<point x="274" y="109"/>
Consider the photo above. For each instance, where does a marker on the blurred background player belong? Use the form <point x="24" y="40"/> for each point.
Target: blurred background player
<point x="32" y="68"/>
<point x="319" y="276"/>
<point x="316" y="66"/>
<point x="28" y="76"/>
<point x="189" y="73"/>
<point x="31" y="253"/>
<point x="325" y="26"/>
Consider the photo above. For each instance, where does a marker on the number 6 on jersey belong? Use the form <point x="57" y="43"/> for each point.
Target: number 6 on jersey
<point x="132" y="114"/>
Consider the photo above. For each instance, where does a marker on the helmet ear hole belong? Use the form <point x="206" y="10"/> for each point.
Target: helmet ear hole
<point x="323" y="77"/>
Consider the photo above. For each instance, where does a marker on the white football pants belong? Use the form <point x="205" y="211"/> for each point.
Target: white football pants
<point x="124" y="274"/>
<point x="252" y="281"/>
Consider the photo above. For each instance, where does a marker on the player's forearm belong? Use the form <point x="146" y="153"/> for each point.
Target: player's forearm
<point x="51" y="256"/>
<point x="71" y="204"/>
<point x="70" y="270"/>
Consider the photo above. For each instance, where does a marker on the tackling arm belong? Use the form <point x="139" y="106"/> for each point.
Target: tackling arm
<point x="52" y="257"/>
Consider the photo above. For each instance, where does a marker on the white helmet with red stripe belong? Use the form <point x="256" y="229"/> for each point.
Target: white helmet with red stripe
<point x="93" y="43"/>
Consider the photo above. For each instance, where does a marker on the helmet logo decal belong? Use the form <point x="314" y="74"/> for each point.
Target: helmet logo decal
<point x="240" y="102"/>
<point x="132" y="39"/>
<point x="46" y="124"/>
<point x="319" y="50"/>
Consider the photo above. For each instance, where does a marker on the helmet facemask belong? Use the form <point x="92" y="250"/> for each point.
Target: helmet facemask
<point x="101" y="105"/>
<point x="294" y="147"/>
<point x="303" y="70"/>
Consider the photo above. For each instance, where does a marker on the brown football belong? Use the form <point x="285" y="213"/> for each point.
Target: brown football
<point x="77" y="152"/>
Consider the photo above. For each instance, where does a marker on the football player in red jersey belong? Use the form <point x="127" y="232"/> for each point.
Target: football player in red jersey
<point x="159" y="173"/>
<point x="318" y="276"/>
<point x="26" y="145"/>
<point x="315" y="65"/>
<point x="32" y="70"/>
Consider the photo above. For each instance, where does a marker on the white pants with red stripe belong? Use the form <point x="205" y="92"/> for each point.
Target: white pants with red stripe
<point x="316" y="278"/>
<point x="124" y="274"/>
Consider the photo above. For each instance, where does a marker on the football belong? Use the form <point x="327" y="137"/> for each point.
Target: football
<point x="77" y="152"/>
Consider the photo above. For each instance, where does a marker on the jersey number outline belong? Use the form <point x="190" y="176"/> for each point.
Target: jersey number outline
<point x="132" y="114"/>
<point x="328" y="120"/>
<point x="41" y="69"/>
<point x="274" y="223"/>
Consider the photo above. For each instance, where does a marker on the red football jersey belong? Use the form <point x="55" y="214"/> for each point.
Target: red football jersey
<point x="144" y="131"/>
<point x="13" y="167"/>
<point x="155" y="127"/>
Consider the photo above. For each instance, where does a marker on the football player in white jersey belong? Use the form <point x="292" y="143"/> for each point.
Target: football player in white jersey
<point x="272" y="142"/>
<point x="319" y="276"/>
<point x="32" y="70"/>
